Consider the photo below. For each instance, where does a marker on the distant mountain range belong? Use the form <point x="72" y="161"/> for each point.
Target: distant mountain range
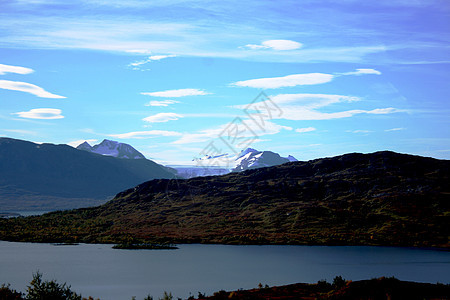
<point x="47" y="176"/>
<point x="112" y="148"/>
<point x="246" y="160"/>
<point x="383" y="198"/>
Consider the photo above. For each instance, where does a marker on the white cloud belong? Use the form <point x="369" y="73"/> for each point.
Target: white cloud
<point x="245" y="128"/>
<point x="145" y="134"/>
<point x="161" y="103"/>
<point x="363" y="72"/>
<point x="312" y="100"/>
<point x="286" y="81"/>
<point x="27" y="88"/>
<point x="395" y="129"/>
<point x="162" y="117"/>
<point x="303" y="130"/>
<point x="41" y="113"/>
<point x="78" y="142"/>
<point x="21" y="131"/>
<point x="14" y="69"/>
<point x="139" y="51"/>
<point x="298" y="79"/>
<point x="159" y="57"/>
<point x="360" y="131"/>
<point x="382" y="111"/>
<point x="302" y="107"/>
<point x="149" y="59"/>
<point x="279" y="45"/>
<point x="177" y="93"/>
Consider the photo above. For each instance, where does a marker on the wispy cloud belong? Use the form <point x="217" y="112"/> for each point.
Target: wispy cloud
<point x="280" y="45"/>
<point x="306" y="106"/>
<point x="303" y="130"/>
<point x="298" y="79"/>
<point x="246" y="128"/>
<point x="145" y="134"/>
<point x="14" y="69"/>
<point x="360" y="131"/>
<point x="395" y="129"/>
<point x="41" y="113"/>
<point x="177" y="93"/>
<point x="21" y="131"/>
<point x="27" y="88"/>
<point x="362" y="72"/>
<point x="139" y="63"/>
<point x="78" y="142"/>
<point x="162" y="117"/>
<point x="161" y="103"/>
<point x="286" y="81"/>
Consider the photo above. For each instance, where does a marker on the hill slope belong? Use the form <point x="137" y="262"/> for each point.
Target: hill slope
<point x="59" y="176"/>
<point x="382" y="198"/>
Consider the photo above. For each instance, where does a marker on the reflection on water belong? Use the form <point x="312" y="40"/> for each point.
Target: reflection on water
<point x="100" y="271"/>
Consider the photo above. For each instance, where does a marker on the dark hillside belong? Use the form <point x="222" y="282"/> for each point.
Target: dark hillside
<point x="383" y="198"/>
<point x="38" y="172"/>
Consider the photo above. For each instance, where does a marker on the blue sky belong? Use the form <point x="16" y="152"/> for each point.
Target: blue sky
<point x="179" y="79"/>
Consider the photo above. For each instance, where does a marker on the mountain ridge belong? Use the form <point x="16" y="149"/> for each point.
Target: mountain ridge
<point x="112" y="148"/>
<point x="381" y="198"/>
<point x="48" y="176"/>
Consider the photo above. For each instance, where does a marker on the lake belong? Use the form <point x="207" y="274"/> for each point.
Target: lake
<point x="100" y="271"/>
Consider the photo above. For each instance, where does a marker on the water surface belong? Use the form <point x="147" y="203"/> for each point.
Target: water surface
<point x="100" y="271"/>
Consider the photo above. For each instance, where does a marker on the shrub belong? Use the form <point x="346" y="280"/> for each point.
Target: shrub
<point x="339" y="282"/>
<point x="46" y="290"/>
<point x="6" y="293"/>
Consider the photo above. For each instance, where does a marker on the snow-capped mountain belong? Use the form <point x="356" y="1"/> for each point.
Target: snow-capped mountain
<point x="197" y="171"/>
<point x="112" y="148"/>
<point x="252" y="159"/>
<point x="248" y="159"/>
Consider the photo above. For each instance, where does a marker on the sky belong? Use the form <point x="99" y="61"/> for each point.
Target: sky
<point x="180" y="79"/>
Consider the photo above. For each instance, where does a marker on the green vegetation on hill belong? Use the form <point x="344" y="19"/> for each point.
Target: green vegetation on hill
<point x="383" y="198"/>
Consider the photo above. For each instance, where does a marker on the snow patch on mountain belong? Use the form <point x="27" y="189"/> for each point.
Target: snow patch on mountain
<point x="112" y="148"/>
<point x="247" y="159"/>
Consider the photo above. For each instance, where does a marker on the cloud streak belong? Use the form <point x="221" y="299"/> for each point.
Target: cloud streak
<point x="363" y="72"/>
<point x="41" y="113"/>
<point x="27" y="88"/>
<point x="246" y="128"/>
<point x="298" y="79"/>
<point x="14" y="69"/>
<point x="286" y="81"/>
<point x="145" y="134"/>
<point x="305" y="107"/>
<point x="162" y="117"/>
<point x="280" y="45"/>
<point x="161" y="103"/>
<point x="303" y="130"/>
<point x="136" y="64"/>
<point x="177" y="93"/>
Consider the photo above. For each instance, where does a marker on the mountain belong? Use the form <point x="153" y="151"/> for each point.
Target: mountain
<point x="48" y="176"/>
<point x="247" y="159"/>
<point x="112" y="148"/>
<point x="195" y="171"/>
<point x="253" y="159"/>
<point x="383" y="198"/>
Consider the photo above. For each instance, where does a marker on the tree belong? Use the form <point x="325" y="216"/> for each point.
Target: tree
<point x="49" y="290"/>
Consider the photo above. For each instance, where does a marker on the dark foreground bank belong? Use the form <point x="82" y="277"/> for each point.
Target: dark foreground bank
<point x="374" y="289"/>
